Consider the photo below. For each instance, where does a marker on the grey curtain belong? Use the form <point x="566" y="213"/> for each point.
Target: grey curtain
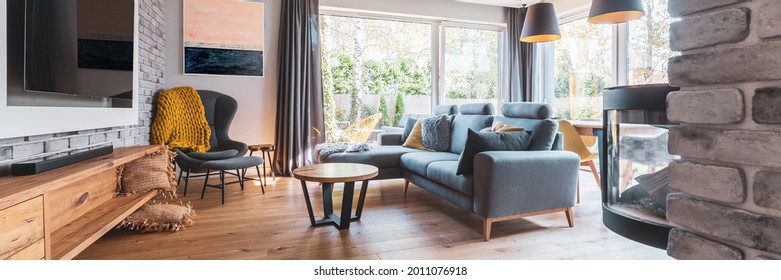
<point x="299" y="125"/>
<point x="520" y="57"/>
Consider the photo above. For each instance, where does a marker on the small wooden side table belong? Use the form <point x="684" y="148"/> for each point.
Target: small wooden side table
<point x="264" y="149"/>
<point x="328" y="174"/>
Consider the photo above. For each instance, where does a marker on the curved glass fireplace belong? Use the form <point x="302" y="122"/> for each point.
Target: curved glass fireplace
<point x="634" y="162"/>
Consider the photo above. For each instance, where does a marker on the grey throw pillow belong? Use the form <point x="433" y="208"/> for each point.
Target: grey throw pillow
<point x="436" y="133"/>
<point x="489" y="141"/>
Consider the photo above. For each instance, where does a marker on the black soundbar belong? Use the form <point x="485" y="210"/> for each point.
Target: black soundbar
<point x="31" y="168"/>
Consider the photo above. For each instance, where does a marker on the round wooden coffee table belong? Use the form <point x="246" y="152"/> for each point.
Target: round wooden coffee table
<point x="328" y="174"/>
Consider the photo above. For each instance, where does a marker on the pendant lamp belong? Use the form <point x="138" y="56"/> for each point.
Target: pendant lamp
<point x="615" y="11"/>
<point x="540" y="24"/>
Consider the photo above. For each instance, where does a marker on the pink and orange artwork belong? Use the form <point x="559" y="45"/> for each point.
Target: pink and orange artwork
<point x="223" y="37"/>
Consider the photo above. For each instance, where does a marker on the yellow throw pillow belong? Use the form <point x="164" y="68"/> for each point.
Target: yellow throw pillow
<point x="503" y="127"/>
<point x="415" y="138"/>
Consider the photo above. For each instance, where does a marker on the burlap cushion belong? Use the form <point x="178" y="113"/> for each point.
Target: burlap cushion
<point x="153" y="172"/>
<point x="160" y="217"/>
<point x="415" y="139"/>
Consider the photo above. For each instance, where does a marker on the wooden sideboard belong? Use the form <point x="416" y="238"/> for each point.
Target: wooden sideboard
<point x="56" y="214"/>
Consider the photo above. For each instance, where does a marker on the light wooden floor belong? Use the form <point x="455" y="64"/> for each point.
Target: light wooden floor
<point x="275" y="225"/>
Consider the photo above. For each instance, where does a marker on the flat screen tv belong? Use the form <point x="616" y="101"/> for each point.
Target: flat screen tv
<point x="70" y="53"/>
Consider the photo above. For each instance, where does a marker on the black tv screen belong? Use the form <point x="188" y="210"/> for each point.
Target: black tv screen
<point x="71" y="53"/>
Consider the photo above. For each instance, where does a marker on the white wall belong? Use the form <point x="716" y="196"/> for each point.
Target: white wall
<point x="256" y="117"/>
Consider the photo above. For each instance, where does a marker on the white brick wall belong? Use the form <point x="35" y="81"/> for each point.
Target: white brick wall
<point x="726" y="202"/>
<point x="152" y="60"/>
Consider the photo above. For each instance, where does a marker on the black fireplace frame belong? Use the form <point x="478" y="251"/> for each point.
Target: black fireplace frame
<point x="652" y="97"/>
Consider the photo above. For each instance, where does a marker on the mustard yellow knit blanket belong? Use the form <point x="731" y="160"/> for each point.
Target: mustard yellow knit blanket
<point x="180" y="121"/>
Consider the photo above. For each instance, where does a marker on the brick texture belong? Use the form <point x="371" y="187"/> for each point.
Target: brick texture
<point x="710" y="29"/>
<point x="767" y="189"/>
<point x="737" y="146"/>
<point x="152" y="65"/>
<point x="711" y="182"/>
<point x="689" y="246"/>
<point x="767" y="105"/>
<point x="678" y="8"/>
<point x="769" y="19"/>
<point x="707" y="107"/>
<point x="734" y="65"/>
<point x="710" y="219"/>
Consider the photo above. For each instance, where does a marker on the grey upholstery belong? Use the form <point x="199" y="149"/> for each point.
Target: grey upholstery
<point x="476" y="109"/>
<point x="503" y="183"/>
<point x="419" y="162"/>
<point x="219" y="110"/>
<point x="446" y="110"/>
<point x="232" y="163"/>
<point x="462" y="124"/>
<point x="526" y="110"/>
<point x="214" y="155"/>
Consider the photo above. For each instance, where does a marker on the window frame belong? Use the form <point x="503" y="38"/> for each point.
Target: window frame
<point x="438" y="45"/>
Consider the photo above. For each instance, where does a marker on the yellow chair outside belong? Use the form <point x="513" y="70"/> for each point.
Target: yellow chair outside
<point x="579" y="144"/>
<point x="360" y="131"/>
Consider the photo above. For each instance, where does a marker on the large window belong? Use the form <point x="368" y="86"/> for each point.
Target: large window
<point x="590" y="57"/>
<point x="393" y="67"/>
<point x="649" y="45"/>
<point x="582" y="69"/>
<point x="374" y="66"/>
<point x="471" y="66"/>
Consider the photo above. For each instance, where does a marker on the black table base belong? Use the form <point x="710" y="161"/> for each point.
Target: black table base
<point x="343" y="220"/>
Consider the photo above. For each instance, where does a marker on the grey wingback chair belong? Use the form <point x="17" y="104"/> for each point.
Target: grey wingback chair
<point x="220" y="109"/>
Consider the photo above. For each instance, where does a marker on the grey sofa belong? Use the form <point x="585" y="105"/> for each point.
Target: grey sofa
<point x="504" y="184"/>
<point x="438" y="110"/>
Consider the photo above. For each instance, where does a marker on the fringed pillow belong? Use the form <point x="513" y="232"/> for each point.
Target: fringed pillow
<point x="159" y="218"/>
<point x="153" y="172"/>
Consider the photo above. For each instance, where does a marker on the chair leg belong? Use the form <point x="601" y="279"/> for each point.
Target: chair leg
<point x="264" y="172"/>
<point x="570" y="218"/>
<point x="241" y="179"/>
<point x="487" y="228"/>
<point x="222" y="184"/>
<point x="271" y="167"/>
<point x="406" y="186"/>
<point x="261" y="184"/>
<point x="595" y="173"/>
<point x="205" y="181"/>
<point x="179" y="180"/>
<point x="186" y="182"/>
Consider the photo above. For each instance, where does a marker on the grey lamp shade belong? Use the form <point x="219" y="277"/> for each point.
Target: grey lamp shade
<point x="540" y="24"/>
<point x="615" y="11"/>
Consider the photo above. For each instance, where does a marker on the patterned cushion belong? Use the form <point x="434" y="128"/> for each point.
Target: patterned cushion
<point x="436" y="133"/>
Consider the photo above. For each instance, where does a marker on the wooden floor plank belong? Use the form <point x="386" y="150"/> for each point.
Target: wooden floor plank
<point x="418" y="225"/>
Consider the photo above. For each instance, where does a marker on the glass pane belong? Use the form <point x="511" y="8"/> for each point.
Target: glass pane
<point x="582" y="69"/>
<point x="649" y="45"/>
<point x="471" y="66"/>
<point x="373" y="66"/>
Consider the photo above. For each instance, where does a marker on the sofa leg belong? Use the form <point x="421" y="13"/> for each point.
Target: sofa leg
<point x="487" y="228"/>
<point x="406" y="186"/>
<point x="570" y="218"/>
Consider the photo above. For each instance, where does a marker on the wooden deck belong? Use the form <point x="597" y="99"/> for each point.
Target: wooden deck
<point x="275" y="226"/>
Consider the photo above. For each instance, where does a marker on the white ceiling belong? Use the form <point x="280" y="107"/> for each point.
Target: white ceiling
<point x="504" y="3"/>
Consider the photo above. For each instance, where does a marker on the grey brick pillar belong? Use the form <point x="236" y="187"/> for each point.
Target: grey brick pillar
<point x="726" y="200"/>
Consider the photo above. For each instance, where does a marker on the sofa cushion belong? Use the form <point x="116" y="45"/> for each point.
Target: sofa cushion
<point x="462" y="124"/>
<point x="436" y="133"/>
<point x="446" y="109"/>
<point x="526" y="110"/>
<point x="476" y="109"/>
<point x="492" y="141"/>
<point x="543" y="131"/>
<point x="379" y="156"/>
<point x="418" y="162"/>
<point x="442" y="172"/>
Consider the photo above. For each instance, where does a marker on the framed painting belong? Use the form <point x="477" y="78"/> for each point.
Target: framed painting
<point x="223" y="37"/>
